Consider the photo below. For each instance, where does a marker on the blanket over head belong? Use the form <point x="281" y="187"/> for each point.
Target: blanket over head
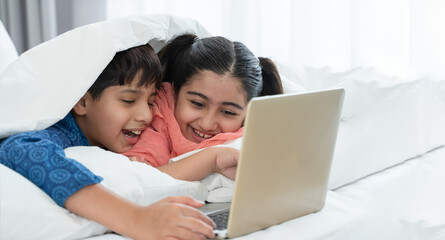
<point x="44" y="83"/>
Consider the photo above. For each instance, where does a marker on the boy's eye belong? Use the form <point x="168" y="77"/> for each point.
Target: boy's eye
<point x="127" y="101"/>
<point x="151" y="101"/>
<point x="197" y="104"/>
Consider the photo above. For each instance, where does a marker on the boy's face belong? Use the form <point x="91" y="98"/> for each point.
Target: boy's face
<point x="116" y="119"/>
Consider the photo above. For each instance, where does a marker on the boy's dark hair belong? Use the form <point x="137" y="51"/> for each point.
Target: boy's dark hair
<point x="125" y="66"/>
<point x="187" y="55"/>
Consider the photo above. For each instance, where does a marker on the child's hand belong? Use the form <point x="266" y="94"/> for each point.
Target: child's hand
<point x="226" y="161"/>
<point x="173" y="218"/>
<point x="170" y="218"/>
<point x="139" y="159"/>
<point x="222" y="160"/>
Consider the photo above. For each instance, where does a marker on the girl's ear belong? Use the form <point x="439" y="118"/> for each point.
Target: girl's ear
<point x="81" y="106"/>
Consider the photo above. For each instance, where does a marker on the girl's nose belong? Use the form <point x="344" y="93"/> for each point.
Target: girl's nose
<point x="208" y="122"/>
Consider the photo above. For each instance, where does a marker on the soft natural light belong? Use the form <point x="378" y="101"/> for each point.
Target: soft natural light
<point x="350" y="146"/>
<point x="399" y="37"/>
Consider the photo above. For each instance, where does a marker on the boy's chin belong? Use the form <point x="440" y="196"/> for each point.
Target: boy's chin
<point x="120" y="149"/>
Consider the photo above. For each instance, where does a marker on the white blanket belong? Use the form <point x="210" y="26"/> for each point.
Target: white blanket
<point x="45" y="83"/>
<point x="47" y="80"/>
<point x="24" y="207"/>
<point x="403" y="202"/>
<point x="219" y="187"/>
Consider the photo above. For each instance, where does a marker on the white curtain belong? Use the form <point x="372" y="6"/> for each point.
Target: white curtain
<point x="31" y="22"/>
<point x="400" y="37"/>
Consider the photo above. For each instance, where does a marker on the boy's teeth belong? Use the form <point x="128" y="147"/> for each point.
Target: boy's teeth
<point x="133" y="134"/>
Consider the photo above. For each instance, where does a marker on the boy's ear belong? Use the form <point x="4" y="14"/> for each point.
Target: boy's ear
<point x="81" y="106"/>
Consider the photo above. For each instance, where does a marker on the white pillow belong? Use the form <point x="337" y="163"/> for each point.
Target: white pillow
<point x="385" y="120"/>
<point x="8" y="53"/>
<point x="46" y="81"/>
<point x="135" y="181"/>
<point x="27" y="212"/>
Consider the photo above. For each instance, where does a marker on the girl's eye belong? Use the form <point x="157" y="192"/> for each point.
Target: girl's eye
<point x="197" y="104"/>
<point x="150" y="104"/>
<point x="228" y="112"/>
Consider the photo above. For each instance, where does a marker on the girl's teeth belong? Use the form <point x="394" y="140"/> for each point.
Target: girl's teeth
<point x="202" y="134"/>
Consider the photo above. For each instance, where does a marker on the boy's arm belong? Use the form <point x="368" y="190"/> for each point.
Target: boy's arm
<point x="43" y="162"/>
<point x="171" y="218"/>
<point x="223" y="160"/>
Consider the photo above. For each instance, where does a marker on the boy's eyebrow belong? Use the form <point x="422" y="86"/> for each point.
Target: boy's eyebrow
<point x="206" y="98"/>
<point x="136" y="91"/>
<point x="128" y="90"/>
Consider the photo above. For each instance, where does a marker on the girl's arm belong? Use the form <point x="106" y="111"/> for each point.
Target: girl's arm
<point x="222" y="160"/>
<point x="170" y="218"/>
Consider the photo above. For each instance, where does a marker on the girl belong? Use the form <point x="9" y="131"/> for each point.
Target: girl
<point x="202" y="102"/>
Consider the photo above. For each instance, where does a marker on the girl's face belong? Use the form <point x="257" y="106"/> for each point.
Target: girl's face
<point x="209" y="104"/>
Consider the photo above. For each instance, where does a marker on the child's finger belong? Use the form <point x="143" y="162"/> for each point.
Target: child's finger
<point x="195" y="226"/>
<point x="189" y="201"/>
<point x="194" y="213"/>
<point x="189" y="208"/>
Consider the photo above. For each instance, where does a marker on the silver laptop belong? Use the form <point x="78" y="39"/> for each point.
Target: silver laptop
<point x="284" y="163"/>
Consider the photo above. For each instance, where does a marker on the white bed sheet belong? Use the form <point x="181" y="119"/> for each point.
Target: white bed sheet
<point x="401" y="202"/>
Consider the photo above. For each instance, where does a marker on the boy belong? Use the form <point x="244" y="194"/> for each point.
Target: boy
<point x="111" y="115"/>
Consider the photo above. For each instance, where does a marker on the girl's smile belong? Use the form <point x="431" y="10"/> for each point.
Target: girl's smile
<point x="209" y="104"/>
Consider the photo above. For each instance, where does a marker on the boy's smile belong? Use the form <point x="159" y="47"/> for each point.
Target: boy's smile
<point x="116" y="120"/>
<point x="131" y="136"/>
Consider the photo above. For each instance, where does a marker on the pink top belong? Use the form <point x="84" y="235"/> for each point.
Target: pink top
<point x="163" y="140"/>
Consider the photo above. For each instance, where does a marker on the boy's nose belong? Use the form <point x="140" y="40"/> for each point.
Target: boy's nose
<point x="144" y="115"/>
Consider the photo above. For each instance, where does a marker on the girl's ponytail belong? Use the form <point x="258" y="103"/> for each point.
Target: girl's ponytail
<point x="271" y="78"/>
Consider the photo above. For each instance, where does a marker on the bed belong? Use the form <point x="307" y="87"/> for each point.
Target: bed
<point x="387" y="178"/>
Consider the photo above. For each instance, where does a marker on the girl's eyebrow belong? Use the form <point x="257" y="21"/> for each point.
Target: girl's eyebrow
<point x="233" y="104"/>
<point x="198" y="94"/>
<point x="206" y="98"/>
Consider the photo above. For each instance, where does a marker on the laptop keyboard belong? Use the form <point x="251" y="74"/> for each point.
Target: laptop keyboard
<point x="221" y="220"/>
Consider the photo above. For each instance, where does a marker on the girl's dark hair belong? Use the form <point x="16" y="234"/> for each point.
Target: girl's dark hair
<point x="187" y="55"/>
<point x="125" y="66"/>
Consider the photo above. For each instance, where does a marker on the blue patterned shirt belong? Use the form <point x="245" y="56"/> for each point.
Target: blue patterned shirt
<point x="39" y="157"/>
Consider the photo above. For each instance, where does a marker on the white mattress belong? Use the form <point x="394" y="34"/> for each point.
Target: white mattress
<point x="401" y="202"/>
